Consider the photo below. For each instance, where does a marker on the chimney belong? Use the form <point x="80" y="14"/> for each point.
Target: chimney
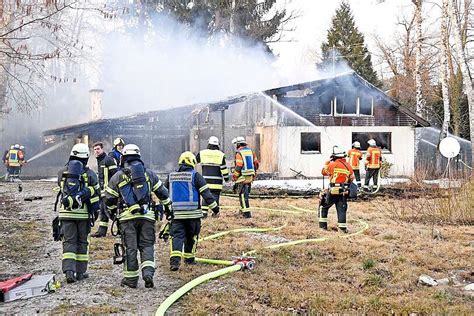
<point x="96" y="104"/>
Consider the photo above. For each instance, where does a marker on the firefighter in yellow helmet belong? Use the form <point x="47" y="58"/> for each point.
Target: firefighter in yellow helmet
<point x="15" y="158"/>
<point x="214" y="170"/>
<point x="185" y="188"/>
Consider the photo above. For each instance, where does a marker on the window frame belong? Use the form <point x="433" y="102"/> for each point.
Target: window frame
<point x="310" y="152"/>
<point x="384" y="151"/>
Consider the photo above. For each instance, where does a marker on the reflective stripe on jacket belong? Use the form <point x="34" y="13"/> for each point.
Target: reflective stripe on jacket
<point x="14" y="158"/>
<point x="354" y="155"/>
<point x="90" y="181"/>
<point x="184" y="195"/>
<point x="214" y="168"/>
<point x="339" y="172"/>
<point x="373" y="158"/>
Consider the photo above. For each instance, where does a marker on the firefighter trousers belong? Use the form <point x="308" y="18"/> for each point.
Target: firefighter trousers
<point x="372" y="174"/>
<point x="75" y="245"/>
<point x="205" y="207"/>
<point x="184" y="239"/>
<point x="329" y="200"/>
<point x="357" y="176"/>
<point x="138" y="235"/>
<point x="244" y="195"/>
<point x="103" y="218"/>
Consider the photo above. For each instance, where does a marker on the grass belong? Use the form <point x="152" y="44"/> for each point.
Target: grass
<point x="375" y="272"/>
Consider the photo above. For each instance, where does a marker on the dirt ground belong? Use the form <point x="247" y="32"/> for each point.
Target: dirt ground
<point x="374" y="272"/>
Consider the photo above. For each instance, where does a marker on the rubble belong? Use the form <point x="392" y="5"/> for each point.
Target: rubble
<point x="427" y="280"/>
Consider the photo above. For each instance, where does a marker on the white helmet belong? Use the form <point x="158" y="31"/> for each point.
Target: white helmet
<point x="131" y="149"/>
<point x="372" y="142"/>
<point x="239" y="140"/>
<point x="337" y="152"/>
<point x="356" y="144"/>
<point x="22" y="147"/>
<point x="80" y="151"/>
<point x="17" y="146"/>
<point x="119" y="141"/>
<point x="213" y="140"/>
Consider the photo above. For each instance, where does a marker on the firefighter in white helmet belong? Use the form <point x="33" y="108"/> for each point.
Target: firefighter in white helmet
<point x="79" y="191"/>
<point x="246" y="166"/>
<point x="128" y="197"/>
<point x="373" y="163"/>
<point x="354" y="156"/>
<point x="214" y="170"/>
<point x="116" y="152"/>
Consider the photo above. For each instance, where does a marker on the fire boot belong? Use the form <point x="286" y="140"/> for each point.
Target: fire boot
<point x="131" y="283"/>
<point x="82" y="276"/>
<point x="148" y="281"/>
<point x="70" y="277"/>
<point x="247" y="214"/>
<point x="101" y="232"/>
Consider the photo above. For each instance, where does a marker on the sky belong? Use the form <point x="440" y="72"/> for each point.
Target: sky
<point x="372" y="17"/>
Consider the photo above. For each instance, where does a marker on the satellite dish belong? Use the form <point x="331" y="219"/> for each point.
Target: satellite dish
<point x="449" y="147"/>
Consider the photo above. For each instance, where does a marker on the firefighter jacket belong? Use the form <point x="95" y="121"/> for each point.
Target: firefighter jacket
<point x="116" y="155"/>
<point x="373" y="158"/>
<point x="186" y="186"/>
<point x="116" y="195"/>
<point x="15" y="158"/>
<point x="106" y="168"/>
<point x="353" y="157"/>
<point x="88" y="185"/>
<point x="340" y="174"/>
<point x="214" y="168"/>
<point x="246" y="165"/>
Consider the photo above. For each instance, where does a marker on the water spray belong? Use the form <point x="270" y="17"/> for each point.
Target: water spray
<point x="48" y="150"/>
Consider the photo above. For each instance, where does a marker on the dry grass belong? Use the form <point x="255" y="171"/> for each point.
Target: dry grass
<point x="375" y="272"/>
<point x="433" y="206"/>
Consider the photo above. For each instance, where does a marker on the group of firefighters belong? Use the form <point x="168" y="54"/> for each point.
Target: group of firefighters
<point x="14" y="159"/>
<point x="122" y="190"/>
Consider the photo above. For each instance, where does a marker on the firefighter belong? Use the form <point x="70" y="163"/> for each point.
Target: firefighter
<point x="185" y="186"/>
<point x="15" y="159"/>
<point x="354" y="156"/>
<point x="373" y="162"/>
<point x="214" y="170"/>
<point x="246" y="166"/>
<point x="340" y="175"/>
<point x="116" y="152"/>
<point x="79" y="188"/>
<point x="128" y="196"/>
<point x="106" y="168"/>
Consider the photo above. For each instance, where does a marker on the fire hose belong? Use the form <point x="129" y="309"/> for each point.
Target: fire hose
<point x="244" y="262"/>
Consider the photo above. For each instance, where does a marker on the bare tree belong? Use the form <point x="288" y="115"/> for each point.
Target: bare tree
<point x="444" y="69"/>
<point x="463" y="63"/>
<point x="32" y="34"/>
<point x="420" y="100"/>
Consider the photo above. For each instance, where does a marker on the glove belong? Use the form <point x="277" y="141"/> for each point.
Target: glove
<point x="215" y="211"/>
<point x="168" y="211"/>
<point x="165" y="232"/>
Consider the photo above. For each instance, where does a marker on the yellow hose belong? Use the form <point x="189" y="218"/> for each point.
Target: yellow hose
<point x="232" y="267"/>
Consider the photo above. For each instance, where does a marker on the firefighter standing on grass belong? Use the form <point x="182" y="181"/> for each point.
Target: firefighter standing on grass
<point x="340" y="175"/>
<point x="246" y="166"/>
<point x="373" y="162"/>
<point x="131" y="189"/>
<point x="354" y="156"/>
<point x="214" y="170"/>
<point x="185" y="187"/>
<point x="79" y="205"/>
<point x="106" y="168"/>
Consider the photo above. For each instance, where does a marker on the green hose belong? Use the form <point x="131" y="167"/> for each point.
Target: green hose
<point x="215" y="261"/>
<point x="266" y="209"/>
<point x="193" y="283"/>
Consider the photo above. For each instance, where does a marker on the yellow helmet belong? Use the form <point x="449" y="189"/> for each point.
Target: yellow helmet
<point x="187" y="158"/>
<point x="119" y="141"/>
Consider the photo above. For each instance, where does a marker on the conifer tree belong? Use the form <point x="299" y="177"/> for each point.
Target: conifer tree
<point x="346" y="42"/>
